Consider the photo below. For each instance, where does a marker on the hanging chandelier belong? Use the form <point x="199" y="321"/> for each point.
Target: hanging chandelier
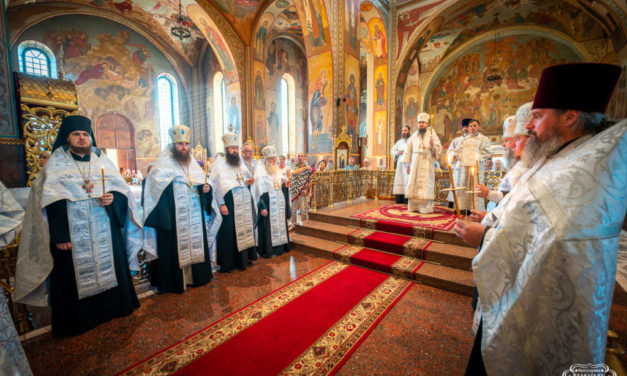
<point x="494" y="74"/>
<point x="180" y="30"/>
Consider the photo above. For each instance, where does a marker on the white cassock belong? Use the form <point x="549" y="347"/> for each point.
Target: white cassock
<point x="479" y="147"/>
<point x="400" y="177"/>
<point x="420" y="156"/>
<point x="455" y="164"/>
<point x="545" y="272"/>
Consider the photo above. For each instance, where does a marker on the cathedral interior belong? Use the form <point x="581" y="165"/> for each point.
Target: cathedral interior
<point x="331" y="79"/>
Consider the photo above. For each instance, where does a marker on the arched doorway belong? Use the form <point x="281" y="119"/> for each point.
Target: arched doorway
<point x="115" y="132"/>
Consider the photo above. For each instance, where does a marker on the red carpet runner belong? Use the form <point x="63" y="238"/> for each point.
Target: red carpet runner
<point x="309" y="326"/>
<point x="384" y="262"/>
<point x="396" y="218"/>
<point x="399" y="244"/>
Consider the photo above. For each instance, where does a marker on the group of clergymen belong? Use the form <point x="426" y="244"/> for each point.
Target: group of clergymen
<point x="546" y="266"/>
<point x="82" y="229"/>
<point x="547" y="252"/>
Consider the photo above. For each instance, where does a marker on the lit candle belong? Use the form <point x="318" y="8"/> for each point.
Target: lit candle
<point x="104" y="190"/>
<point x="477" y="172"/>
<point x="450" y="175"/>
<point x="206" y="170"/>
<point x="472" y="184"/>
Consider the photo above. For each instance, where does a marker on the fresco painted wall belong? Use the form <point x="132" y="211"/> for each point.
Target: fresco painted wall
<point x="459" y="88"/>
<point x="283" y="56"/>
<point x="115" y="70"/>
<point x="411" y="98"/>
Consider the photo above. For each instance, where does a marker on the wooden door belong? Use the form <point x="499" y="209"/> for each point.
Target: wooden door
<point x="116" y="131"/>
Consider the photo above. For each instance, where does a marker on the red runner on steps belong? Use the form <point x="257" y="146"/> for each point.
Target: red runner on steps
<point x="377" y="260"/>
<point x="312" y="324"/>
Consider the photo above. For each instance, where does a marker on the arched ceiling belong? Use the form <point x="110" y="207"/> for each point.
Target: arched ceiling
<point x="154" y="17"/>
<point x="436" y="28"/>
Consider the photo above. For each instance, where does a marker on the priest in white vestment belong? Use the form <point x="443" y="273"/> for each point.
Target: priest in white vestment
<point x="232" y="184"/>
<point x="455" y="164"/>
<point x="472" y="148"/>
<point x="422" y="150"/>
<point x="514" y="139"/>
<point x="400" y="176"/>
<point x="545" y="270"/>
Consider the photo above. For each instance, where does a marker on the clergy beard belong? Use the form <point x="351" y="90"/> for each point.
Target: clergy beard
<point x="80" y="150"/>
<point x="535" y="151"/>
<point x="509" y="157"/>
<point x="232" y="159"/>
<point x="272" y="168"/>
<point x="180" y="157"/>
<point x="422" y="131"/>
<point x="405" y="135"/>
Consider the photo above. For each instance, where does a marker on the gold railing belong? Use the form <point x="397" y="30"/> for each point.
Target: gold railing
<point x="329" y="188"/>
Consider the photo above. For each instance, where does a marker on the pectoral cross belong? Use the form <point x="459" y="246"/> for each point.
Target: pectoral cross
<point x="88" y="186"/>
<point x="189" y="181"/>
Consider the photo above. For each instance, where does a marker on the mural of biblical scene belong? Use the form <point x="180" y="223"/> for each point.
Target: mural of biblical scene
<point x="558" y="15"/>
<point x="320" y="104"/>
<point x="352" y="100"/>
<point x="352" y="26"/>
<point x="216" y="41"/>
<point x="380" y="87"/>
<point x="115" y="71"/>
<point x="259" y="126"/>
<point x="287" y="22"/>
<point x="410" y="18"/>
<point x="261" y="35"/>
<point x="156" y="16"/>
<point x="460" y="89"/>
<point x="433" y="50"/>
<point x="258" y="95"/>
<point x="240" y="13"/>
<point x="379" y="134"/>
<point x="379" y="40"/>
<point x="411" y="97"/>
<point x="315" y="24"/>
<point x="302" y="114"/>
<point x="283" y="56"/>
<point x="233" y="109"/>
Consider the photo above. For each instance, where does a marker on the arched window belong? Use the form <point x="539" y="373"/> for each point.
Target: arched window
<point x="37" y="59"/>
<point x="168" y="106"/>
<point x="219" y="109"/>
<point x="287" y="133"/>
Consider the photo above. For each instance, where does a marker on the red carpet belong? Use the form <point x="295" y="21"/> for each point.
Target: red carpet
<point x="399" y="244"/>
<point x="396" y="218"/>
<point x="381" y="261"/>
<point x="309" y="326"/>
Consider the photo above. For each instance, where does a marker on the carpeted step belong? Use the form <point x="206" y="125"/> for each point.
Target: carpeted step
<point x="341" y="218"/>
<point x="443" y="277"/>
<point x="445" y="254"/>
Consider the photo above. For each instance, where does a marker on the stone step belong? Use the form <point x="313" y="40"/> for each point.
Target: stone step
<point x="449" y="255"/>
<point x="439" y="276"/>
<point x="341" y="219"/>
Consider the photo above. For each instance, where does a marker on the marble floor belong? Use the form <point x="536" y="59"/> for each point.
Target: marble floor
<point x="426" y="332"/>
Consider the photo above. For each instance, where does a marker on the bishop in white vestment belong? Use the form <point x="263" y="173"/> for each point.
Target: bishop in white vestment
<point x="423" y="149"/>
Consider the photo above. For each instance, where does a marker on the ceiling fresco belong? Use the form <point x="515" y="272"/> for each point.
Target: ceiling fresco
<point x="155" y="17"/>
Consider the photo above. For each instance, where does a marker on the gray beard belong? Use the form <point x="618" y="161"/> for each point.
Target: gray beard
<point x="232" y="159"/>
<point x="272" y="169"/>
<point x="535" y="151"/>
<point x="509" y="156"/>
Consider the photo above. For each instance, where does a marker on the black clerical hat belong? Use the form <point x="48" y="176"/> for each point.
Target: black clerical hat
<point x="71" y="124"/>
<point x="466" y="121"/>
<point x="584" y="86"/>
